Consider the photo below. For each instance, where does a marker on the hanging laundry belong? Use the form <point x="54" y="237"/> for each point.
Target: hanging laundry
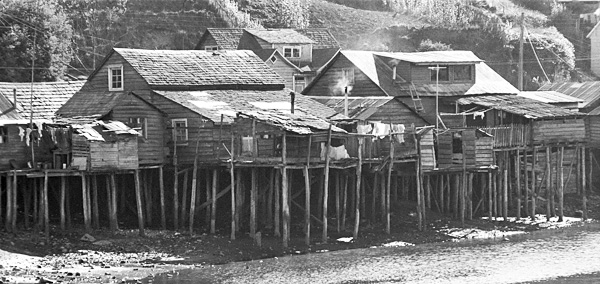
<point x="53" y="134"/>
<point x="380" y="130"/>
<point x="40" y="126"/>
<point x="399" y="130"/>
<point x="335" y="153"/>
<point x="364" y="129"/>
<point x="27" y="135"/>
<point x="479" y="114"/>
<point x="21" y="133"/>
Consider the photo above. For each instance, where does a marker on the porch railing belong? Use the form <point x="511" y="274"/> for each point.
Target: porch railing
<point x="507" y="136"/>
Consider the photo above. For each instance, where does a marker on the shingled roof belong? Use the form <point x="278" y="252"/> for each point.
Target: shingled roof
<point x="94" y="106"/>
<point x="518" y="105"/>
<point x="227" y="39"/>
<point x="214" y="103"/>
<point x="47" y="97"/>
<point x="201" y="69"/>
<point x="322" y="38"/>
<point x="588" y="91"/>
<point x="280" y="36"/>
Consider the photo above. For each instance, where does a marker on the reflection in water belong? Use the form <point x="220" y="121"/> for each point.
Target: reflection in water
<point x="537" y="256"/>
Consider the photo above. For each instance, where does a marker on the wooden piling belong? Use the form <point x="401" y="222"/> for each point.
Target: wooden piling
<point x="307" y="205"/>
<point x="583" y="183"/>
<point x="114" y="224"/>
<point x="9" y="203"/>
<point x="253" y="194"/>
<point x="505" y="198"/>
<point x="284" y="194"/>
<point x="85" y="197"/>
<point x="184" y="195"/>
<point x="278" y="203"/>
<point x="213" y="207"/>
<point x="161" y="188"/>
<point x="95" y="213"/>
<point x="374" y="197"/>
<point x="389" y="185"/>
<point x="337" y="200"/>
<point x="344" y="201"/>
<point x="326" y="185"/>
<point x="138" y="199"/>
<point x="175" y="196"/>
<point x="548" y="183"/>
<point x="561" y="185"/>
<point x="533" y="184"/>
<point x="233" y="188"/>
<point x="193" y="195"/>
<point x="518" y="182"/>
<point x="470" y="196"/>
<point x="63" y="195"/>
<point x="357" y="189"/>
<point x="490" y="195"/>
<point x="526" y="181"/>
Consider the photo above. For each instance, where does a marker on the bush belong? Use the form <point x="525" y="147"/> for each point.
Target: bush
<point x="428" y="45"/>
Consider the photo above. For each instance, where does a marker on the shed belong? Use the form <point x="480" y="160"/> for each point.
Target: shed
<point x="104" y="145"/>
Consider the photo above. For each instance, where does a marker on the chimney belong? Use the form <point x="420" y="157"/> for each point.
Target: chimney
<point x="346" y="101"/>
<point x="292" y="101"/>
<point x="15" y="98"/>
<point x="394" y="75"/>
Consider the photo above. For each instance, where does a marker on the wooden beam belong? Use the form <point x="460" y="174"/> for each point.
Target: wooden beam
<point x="161" y="189"/>
<point x="46" y="205"/>
<point x="389" y="186"/>
<point x="284" y="194"/>
<point x="95" y="213"/>
<point x="548" y="183"/>
<point x="326" y="185"/>
<point x="307" y="205"/>
<point x="561" y="185"/>
<point x="518" y="182"/>
<point x="114" y="224"/>
<point x="213" y="208"/>
<point x="184" y="195"/>
<point x="85" y="201"/>
<point x="253" y="193"/>
<point x="138" y="199"/>
<point x="357" y="196"/>
<point x="175" y="197"/>
<point x="583" y="183"/>
<point x="233" y="188"/>
<point x="63" y="195"/>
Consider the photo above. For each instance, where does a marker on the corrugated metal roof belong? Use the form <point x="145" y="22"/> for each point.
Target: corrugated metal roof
<point x="525" y="107"/>
<point x="588" y="91"/>
<point x="434" y="57"/>
<point x="214" y="103"/>
<point x="280" y="36"/>
<point x="298" y="122"/>
<point x="198" y="68"/>
<point x="47" y="96"/>
<point x="487" y="81"/>
<point x="550" y="97"/>
<point x="97" y="130"/>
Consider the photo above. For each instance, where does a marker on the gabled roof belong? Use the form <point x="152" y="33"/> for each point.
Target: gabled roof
<point x="282" y="36"/>
<point x="434" y="57"/>
<point x="550" y="97"/>
<point x="266" y="54"/>
<point x="322" y="38"/>
<point x="320" y="57"/>
<point x="227" y="39"/>
<point x="86" y="106"/>
<point x="8" y="110"/>
<point x="201" y="69"/>
<point x="518" y="105"/>
<point x="47" y="97"/>
<point x="214" y="103"/>
<point x="360" y="108"/>
<point x="487" y="81"/>
<point x="100" y="130"/>
<point x="297" y="122"/>
<point x="588" y="91"/>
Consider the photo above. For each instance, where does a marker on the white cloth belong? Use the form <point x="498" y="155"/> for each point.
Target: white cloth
<point x="399" y="130"/>
<point x="21" y="133"/>
<point x="28" y="135"/>
<point x="479" y="114"/>
<point x="335" y="153"/>
<point x="380" y="130"/>
<point x="364" y="129"/>
<point x="39" y="126"/>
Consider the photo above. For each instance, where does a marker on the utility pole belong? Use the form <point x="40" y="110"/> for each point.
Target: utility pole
<point x="520" y="82"/>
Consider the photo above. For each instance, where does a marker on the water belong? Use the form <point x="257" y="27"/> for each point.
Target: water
<point x="529" y="258"/>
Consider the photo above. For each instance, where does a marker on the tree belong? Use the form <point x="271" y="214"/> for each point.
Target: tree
<point x="292" y="13"/>
<point x="33" y="32"/>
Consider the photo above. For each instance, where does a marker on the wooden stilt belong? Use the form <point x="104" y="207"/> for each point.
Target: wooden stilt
<point x="233" y="189"/>
<point x="418" y="176"/>
<point x="490" y="195"/>
<point x="161" y="189"/>
<point x="138" y="199"/>
<point x="382" y="194"/>
<point x="470" y="196"/>
<point x="357" y="189"/>
<point x="583" y="184"/>
<point x="561" y="185"/>
<point x="114" y="224"/>
<point x="9" y="210"/>
<point x="456" y="192"/>
<point x="428" y="191"/>
<point x="46" y="205"/>
<point x="14" y="202"/>
<point x="277" y="200"/>
<point x="307" y="205"/>
<point x="67" y="205"/>
<point x="95" y="213"/>
<point x="109" y="208"/>
<point x="238" y="199"/>
<point x="505" y="198"/>
<point x="193" y="196"/>
<point x="253" y="194"/>
<point x="548" y="183"/>
<point x="374" y="198"/>
<point x="526" y="181"/>
<point x="533" y="184"/>
<point x="208" y="187"/>
<point x="269" y="224"/>
<point x="336" y="177"/>
<point x="85" y="196"/>
<point x="175" y="196"/>
<point x="326" y="185"/>
<point x="389" y="184"/>
<point x="184" y="196"/>
<point x="495" y="196"/>
<point x="518" y="182"/>
<point x="1" y="209"/>
<point x="26" y="202"/>
<point x="213" y="207"/>
<point x="284" y="194"/>
<point x="344" y="201"/>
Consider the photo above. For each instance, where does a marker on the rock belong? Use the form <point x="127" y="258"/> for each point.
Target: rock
<point x="88" y="238"/>
<point x="103" y="243"/>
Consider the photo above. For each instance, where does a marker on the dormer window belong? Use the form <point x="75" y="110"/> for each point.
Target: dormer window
<point x="462" y="73"/>
<point x="439" y="73"/>
<point x="291" y="52"/>
<point x="211" y="48"/>
<point x="115" y="78"/>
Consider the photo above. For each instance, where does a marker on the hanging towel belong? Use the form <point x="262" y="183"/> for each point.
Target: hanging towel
<point x="479" y="114"/>
<point x="380" y="130"/>
<point x="39" y="126"/>
<point x="27" y="135"/>
<point x="364" y="129"/>
<point x="399" y="130"/>
<point x="335" y="153"/>
<point x="21" y="133"/>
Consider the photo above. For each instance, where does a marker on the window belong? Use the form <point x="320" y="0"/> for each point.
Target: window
<point x="115" y="78"/>
<point x="3" y="134"/>
<point x="443" y="73"/>
<point x="211" y="48"/>
<point x="291" y="52"/>
<point x="273" y="59"/>
<point x="299" y="84"/>
<point x="462" y="73"/>
<point x="139" y="125"/>
<point x="248" y="146"/>
<point x="180" y="130"/>
<point x="348" y="76"/>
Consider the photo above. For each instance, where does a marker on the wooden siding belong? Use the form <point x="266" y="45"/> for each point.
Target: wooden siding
<point x="284" y="70"/>
<point x="396" y="113"/>
<point x="131" y="79"/>
<point x="120" y="154"/>
<point x="595" y="51"/>
<point x="428" y="112"/>
<point x="445" y="149"/>
<point x="484" y="151"/>
<point x="427" y="151"/>
<point x="208" y="41"/>
<point x="152" y="146"/>
<point x="559" y="131"/>
<point x="420" y="74"/>
<point x="305" y="53"/>
<point x="14" y="149"/>
<point x="330" y="83"/>
<point x="592" y="127"/>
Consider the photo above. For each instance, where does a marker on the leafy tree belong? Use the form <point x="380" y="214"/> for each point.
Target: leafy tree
<point x="428" y="45"/>
<point x="33" y="30"/>
<point x="292" y="13"/>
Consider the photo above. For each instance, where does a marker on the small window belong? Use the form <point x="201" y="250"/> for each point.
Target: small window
<point x="211" y="48"/>
<point x="443" y="73"/>
<point x="348" y="76"/>
<point x="299" y="84"/>
<point x="138" y="124"/>
<point x="180" y="130"/>
<point x="462" y="73"/>
<point x="115" y="78"/>
<point x="273" y="59"/>
<point x="291" y="52"/>
<point x="248" y="146"/>
<point x="3" y="134"/>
